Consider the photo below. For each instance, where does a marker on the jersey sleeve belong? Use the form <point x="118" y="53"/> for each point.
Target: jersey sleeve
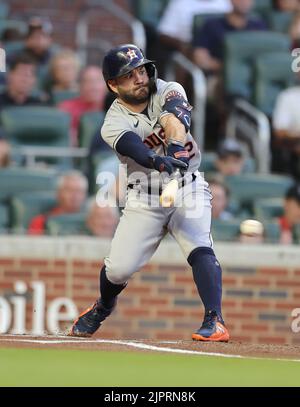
<point x="113" y="129"/>
<point x="171" y="90"/>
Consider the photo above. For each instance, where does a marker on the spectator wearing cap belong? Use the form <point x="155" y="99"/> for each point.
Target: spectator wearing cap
<point x="21" y="80"/>
<point x="230" y="158"/>
<point x="92" y="94"/>
<point x="38" y="41"/>
<point x="220" y="200"/>
<point x="291" y="215"/>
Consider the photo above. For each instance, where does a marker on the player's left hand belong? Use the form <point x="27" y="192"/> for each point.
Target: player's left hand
<point x="178" y="152"/>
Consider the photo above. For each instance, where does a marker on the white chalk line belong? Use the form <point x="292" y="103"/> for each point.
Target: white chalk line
<point x="139" y="345"/>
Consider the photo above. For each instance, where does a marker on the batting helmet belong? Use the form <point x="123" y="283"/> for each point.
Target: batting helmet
<point x="123" y="59"/>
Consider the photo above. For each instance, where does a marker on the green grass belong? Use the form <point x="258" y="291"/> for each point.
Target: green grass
<point x="56" y="367"/>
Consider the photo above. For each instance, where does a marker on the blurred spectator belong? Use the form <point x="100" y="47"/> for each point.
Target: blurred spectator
<point x="176" y="24"/>
<point x="220" y="194"/>
<point x="291" y="215"/>
<point x="64" y="70"/>
<point x="286" y="5"/>
<point x="21" y="80"/>
<point x="38" y="40"/>
<point x="251" y="231"/>
<point x="101" y="220"/>
<point x="208" y="40"/>
<point x="92" y="94"/>
<point x="4" y="150"/>
<point x="71" y="195"/>
<point x="286" y="126"/>
<point x="10" y="35"/>
<point x="230" y="158"/>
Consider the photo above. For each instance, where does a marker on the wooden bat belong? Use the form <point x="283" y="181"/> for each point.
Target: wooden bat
<point x="168" y="195"/>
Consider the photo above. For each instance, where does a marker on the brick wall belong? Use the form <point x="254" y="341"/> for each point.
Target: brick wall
<point x="161" y="300"/>
<point x="64" y="15"/>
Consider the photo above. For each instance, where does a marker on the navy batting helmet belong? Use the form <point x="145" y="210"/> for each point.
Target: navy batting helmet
<point x="123" y="59"/>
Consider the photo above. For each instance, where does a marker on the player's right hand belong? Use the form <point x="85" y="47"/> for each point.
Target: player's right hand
<point x="167" y="164"/>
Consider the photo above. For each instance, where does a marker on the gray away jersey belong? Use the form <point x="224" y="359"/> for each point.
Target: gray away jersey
<point x="120" y="120"/>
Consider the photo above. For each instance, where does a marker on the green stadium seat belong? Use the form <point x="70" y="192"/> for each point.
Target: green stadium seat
<point x="26" y="205"/>
<point x="280" y="21"/>
<point x="225" y="231"/>
<point x="12" y="47"/>
<point x="14" y="180"/>
<point x="262" y="7"/>
<point x="4" y="218"/>
<point x="19" y="25"/>
<point x="90" y="123"/>
<point x="149" y="12"/>
<point x="273" y="74"/>
<point x="37" y="126"/>
<point x="59" y="96"/>
<point x="268" y="208"/>
<point x="240" y="53"/>
<point x="272" y="232"/>
<point x="4" y="10"/>
<point x="66" y="225"/>
<point x="247" y="188"/>
<point x="297" y="234"/>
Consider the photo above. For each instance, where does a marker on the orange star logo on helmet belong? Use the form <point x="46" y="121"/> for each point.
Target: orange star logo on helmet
<point x="131" y="54"/>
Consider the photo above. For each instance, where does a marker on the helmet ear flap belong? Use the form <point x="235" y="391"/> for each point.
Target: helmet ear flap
<point x="152" y="73"/>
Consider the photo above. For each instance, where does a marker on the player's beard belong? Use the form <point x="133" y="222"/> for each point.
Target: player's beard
<point x="138" y="98"/>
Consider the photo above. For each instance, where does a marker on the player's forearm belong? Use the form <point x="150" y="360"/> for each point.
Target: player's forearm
<point x="173" y="128"/>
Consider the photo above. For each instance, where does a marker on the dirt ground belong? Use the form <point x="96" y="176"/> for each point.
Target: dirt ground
<point x="232" y="348"/>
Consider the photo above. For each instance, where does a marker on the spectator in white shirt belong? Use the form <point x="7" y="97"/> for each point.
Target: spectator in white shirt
<point x="286" y="130"/>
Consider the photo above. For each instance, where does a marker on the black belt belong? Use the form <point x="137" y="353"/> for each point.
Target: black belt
<point x="182" y="184"/>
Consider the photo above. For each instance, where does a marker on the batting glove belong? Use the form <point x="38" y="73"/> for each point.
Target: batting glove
<point x="167" y="164"/>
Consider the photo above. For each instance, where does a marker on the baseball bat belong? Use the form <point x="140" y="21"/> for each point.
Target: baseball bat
<point x="168" y="195"/>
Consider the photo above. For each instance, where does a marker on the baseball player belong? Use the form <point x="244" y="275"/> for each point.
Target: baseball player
<point x="148" y="126"/>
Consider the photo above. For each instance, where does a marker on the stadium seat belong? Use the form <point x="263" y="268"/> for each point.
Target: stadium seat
<point x="4" y="218"/>
<point x="26" y="205"/>
<point x="148" y="12"/>
<point x="15" y="180"/>
<point x="19" y="25"/>
<point x="37" y="126"/>
<point x="64" y="225"/>
<point x="297" y="234"/>
<point x="89" y="124"/>
<point x="262" y="7"/>
<point x="273" y="74"/>
<point x="272" y="232"/>
<point x="241" y="50"/>
<point x="4" y="10"/>
<point x="247" y="188"/>
<point x="12" y="47"/>
<point x="268" y="208"/>
<point x="280" y="21"/>
<point x="59" y="96"/>
<point x="225" y="231"/>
